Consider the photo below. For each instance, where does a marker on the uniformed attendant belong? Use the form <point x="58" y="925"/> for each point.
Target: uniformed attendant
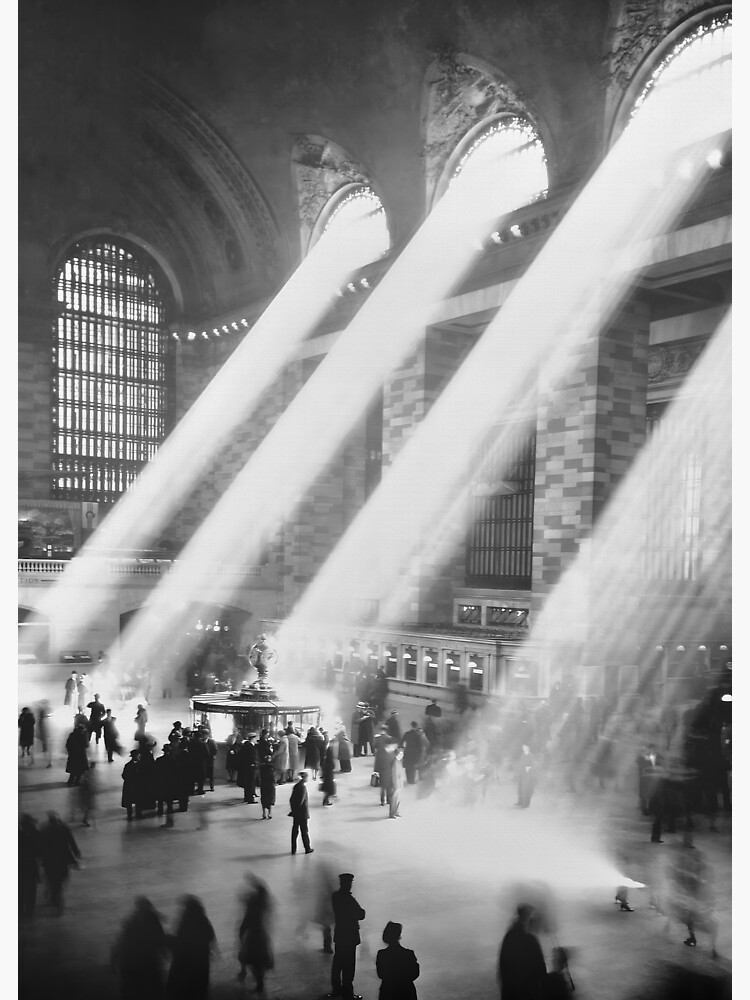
<point x="347" y="914"/>
<point x="131" y="786"/>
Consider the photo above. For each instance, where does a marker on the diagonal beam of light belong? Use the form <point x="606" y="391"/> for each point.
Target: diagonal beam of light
<point x="316" y="423"/>
<point x="575" y="283"/>
<point x="229" y="398"/>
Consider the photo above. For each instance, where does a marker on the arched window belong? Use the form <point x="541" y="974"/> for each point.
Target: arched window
<point x="354" y="221"/>
<point x="110" y="367"/>
<point x="505" y="163"/>
<point x="706" y="50"/>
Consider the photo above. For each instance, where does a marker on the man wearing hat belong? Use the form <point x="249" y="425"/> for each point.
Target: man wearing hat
<point x="346" y="914"/>
<point x="300" y="813"/>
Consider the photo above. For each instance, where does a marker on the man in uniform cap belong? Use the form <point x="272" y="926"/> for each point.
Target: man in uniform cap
<point x="346" y="914"/>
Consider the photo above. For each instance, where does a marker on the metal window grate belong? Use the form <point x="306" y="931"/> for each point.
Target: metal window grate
<point x="109" y="364"/>
<point x="499" y="551"/>
<point x="672" y="545"/>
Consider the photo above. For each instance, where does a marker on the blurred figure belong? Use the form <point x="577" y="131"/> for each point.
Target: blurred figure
<point x="521" y="968"/>
<point x="691" y="892"/>
<point x="526" y="774"/>
<point x="85" y="796"/>
<point x="191" y="947"/>
<point x="111" y="735"/>
<point x="346" y="913"/>
<point x="26" y="724"/>
<point x="557" y="983"/>
<point x="300" y="813"/>
<point x="78" y="761"/>
<point x="326" y="886"/>
<point x="267" y="786"/>
<point x="234" y="743"/>
<point x="256" y="949"/>
<point x="43" y="715"/>
<point x="59" y="853"/>
<point x="281" y="757"/>
<point x="82" y="687"/>
<point x="71" y="690"/>
<point x="28" y="865"/>
<point x="328" y="782"/>
<point x="141" y="718"/>
<point x="395" y="784"/>
<point x="416" y="746"/>
<point x="139" y="953"/>
<point x="397" y="967"/>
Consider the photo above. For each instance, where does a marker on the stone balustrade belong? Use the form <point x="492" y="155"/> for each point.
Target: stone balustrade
<point x="129" y="567"/>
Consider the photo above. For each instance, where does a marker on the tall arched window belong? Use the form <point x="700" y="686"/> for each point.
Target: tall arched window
<point x="354" y="221"/>
<point x="110" y="369"/>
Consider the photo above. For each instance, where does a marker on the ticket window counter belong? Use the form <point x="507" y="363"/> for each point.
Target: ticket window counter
<point x="452" y="668"/>
<point x="431" y="666"/>
<point x="476" y="672"/>
<point x="373" y="657"/>
<point x="391" y="660"/>
<point x="410" y="663"/>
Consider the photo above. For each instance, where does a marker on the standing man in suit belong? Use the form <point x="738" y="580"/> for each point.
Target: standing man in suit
<point x="300" y="813"/>
<point x="346" y="914"/>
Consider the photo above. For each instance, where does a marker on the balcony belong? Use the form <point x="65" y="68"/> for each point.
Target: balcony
<point x="42" y="570"/>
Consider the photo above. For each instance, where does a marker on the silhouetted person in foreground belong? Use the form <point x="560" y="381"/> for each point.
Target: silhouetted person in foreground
<point x="346" y="914"/>
<point x="28" y="865"/>
<point x="397" y="967"/>
<point x="139" y="953"/>
<point x="256" y="949"/>
<point x="59" y="853"/>
<point x="191" y="953"/>
<point x="78" y="761"/>
<point x="557" y="983"/>
<point x="300" y="813"/>
<point x="521" y="968"/>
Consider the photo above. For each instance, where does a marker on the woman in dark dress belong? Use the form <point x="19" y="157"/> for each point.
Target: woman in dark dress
<point x="328" y="783"/>
<point x="312" y="751"/>
<point x="397" y="967"/>
<point x="255" y="935"/>
<point x="267" y="786"/>
<point x="191" y="953"/>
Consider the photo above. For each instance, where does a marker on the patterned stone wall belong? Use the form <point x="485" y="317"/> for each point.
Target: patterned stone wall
<point x="588" y="433"/>
<point x="34" y="417"/>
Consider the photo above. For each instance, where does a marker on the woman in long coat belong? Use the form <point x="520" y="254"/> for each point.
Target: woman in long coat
<point x="312" y="751"/>
<point x="267" y="786"/>
<point x="26" y="724"/>
<point x="397" y="967"/>
<point x="281" y="757"/>
<point x="293" y="742"/>
<point x="255" y="936"/>
<point x="191" y="953"/>
<point x="328" y="783"/>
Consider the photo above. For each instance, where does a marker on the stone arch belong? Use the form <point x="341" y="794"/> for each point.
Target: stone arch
<point x="462" y="94"/>
<point x="322" y="168"/>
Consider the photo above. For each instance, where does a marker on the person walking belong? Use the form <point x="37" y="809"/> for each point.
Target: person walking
<point x="395" y="784"/>
<point x="85" y="796"/>
<point x="78" y="761"/>
<point x="28" y="865"/>
<point x="397" y="967"/>
<point x="97" y="712"/>
<point x="526" y="774"/>
<point x="26" y="725"/>
<point x="191" y="945"/>
<point x="256" y="949"/>
<point x="300" y="813"/>
<point x="59" y="853"/>
<point x="267" y="786"/>
<point x="111" y="735"/>
<point x="139" y="953"/>
<point x="347" y="914"/>
<point x="416" y="747"/>
<point x="328" y="782"/>
<point x="141" y="718"/>
<point x="521" y="968"/>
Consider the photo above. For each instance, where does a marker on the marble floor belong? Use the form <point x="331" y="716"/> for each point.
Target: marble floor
<point x="450" y="871"/>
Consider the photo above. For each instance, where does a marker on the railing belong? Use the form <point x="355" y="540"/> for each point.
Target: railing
<point x="130" y="567"/>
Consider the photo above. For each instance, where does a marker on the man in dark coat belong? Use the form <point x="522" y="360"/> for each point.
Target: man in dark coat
<point x="346" y="914"/>
<point x="26" y="724"/>
<point x="131" y="786"/>
<point x="165" y="782"/>
<point x="521" y="967"/>
<point x="97" y="711"/>
<point x="247" y="767"/>
<point x="71" y="690"/>
<point x="416" y="747"/>
<point x="111" y="735"/>
<point x="78" y="760"/>
<point x="394" y="726"/>
<point x="300" y="813"/>
<point x="198" y="756"/>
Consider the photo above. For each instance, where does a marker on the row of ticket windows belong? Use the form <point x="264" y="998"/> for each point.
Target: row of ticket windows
<point x="438" y="667"/>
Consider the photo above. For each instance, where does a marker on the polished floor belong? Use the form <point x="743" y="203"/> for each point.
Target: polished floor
<point x="450" y="870"/>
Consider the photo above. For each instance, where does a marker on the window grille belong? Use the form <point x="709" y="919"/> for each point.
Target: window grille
<point x="110" y="370"/>
<point x="499" y="552"/>
<point x="672" y="549"/>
